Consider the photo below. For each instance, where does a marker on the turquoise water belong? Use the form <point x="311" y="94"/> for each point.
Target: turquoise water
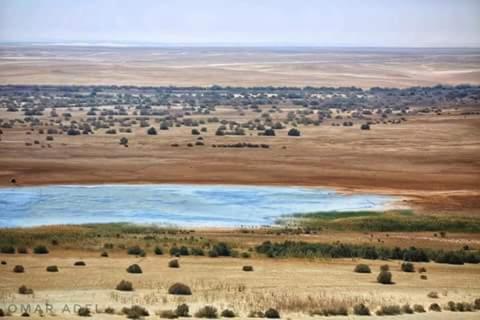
<point x="170" y="204"/>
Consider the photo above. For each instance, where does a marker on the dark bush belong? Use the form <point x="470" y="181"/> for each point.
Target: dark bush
<point x="197" y="252"/>
<point x="152" y="131"/>
<point x="294" y="132"/>
<point x="390" y="310"/>
<point x="272" y="314"/>
<point x="422" y="270"/>
<point x="124" y="286"/>
<point x="385" y="277"/>
<point x="174" y="263"/>
<point x="182" y="310"/>
<point x="109" y="310"/>
<point x="269" y="132"/>
<point x="167" y="314"/>
<point x="24" y="290"/>
<point x="7" y="249"/>
<point x="247" y="268"/>
<point x="79" y="264"/>
<point x="134" y="268"/>
<point x="104" y="254"/>
<point x="435" y="307"/>
<point x="433" y="295"/>
<point x="408" y="267"/>
<point x="135" y="312"/>
<point x="158" y="251"/>
<point x="207" y="312"/>
<point x="361" y="310"/>
<point x="407" y="309"/>
<point x="22" y="250"/>
<point x="41" y="249"/>
<point x="362" y="268"/>
<point x="227" y="313"/>
<point x="179" y="289"/>
<point x="365" y="126"/>
<point x="195" y="132"/>
<point x="3" y="262"/>
<point x="19" y="269"/>
<point x="221" y="249"/>
<point x="84" y="312"/>
<point x="135" y="250"/>
<point x="52" y="269"/>
<point x="418" y="308"/>
<point x="476" y="304"/>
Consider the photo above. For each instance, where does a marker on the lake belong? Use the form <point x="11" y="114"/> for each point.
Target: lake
<point x="172" y="204"/>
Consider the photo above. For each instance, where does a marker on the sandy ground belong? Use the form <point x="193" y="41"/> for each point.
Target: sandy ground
<point x="432" y="161"/>
<point x="238" y="66"/>
<point x="289" y="285"/>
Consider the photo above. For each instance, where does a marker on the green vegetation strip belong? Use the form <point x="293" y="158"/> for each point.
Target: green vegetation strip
<point x="371" y="221"/>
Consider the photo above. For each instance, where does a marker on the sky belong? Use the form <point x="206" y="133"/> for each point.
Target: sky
<point x="365" y="23"/>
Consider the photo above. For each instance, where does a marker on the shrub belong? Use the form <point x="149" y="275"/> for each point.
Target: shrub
<point x="208" y="312"/>
<point x="422" y="270"/>
<point x="52" y="269"/>
<point x="124" y="141"/>
<point x="19" y="269"/>
<point x="418" y="308"/>
<point x="476" y="304"/>
<point x="362" y="268"/>
<point x="2" y="313"/>
<point x="3" y="262"/>
<point x="227" y="313"/>
<point x="174" y="263"/>
<point x="104" y="254"/>
<point x="433" y="294"/>
<point x="7" y="250"/>
<point x="435" y="307"/>
<point x="365" y="126"/>
<point x="361" y="310"/>
<point x="182" y="310"/>
<point x="135" y="250"/>
<point x="22" y="250"/>
<point x="408" y="267"/>
<point x="134" y="268"/>
<point x="24" y="290"/>
<point x="40" y="250"/>
<point x="124" y="286"/>
<point x="407" y="309"/>
<point x="451" y="306"/>
<point x="221" y="249"/>
<point x="167" y="314"/>
<point x="135" y="312"/>
<point x="245" y="255"/>
<point x="109" y="310"/>
<point x="179" y="289"/>
<point x="152" y="131"/>
<point x="390" y="310"/>
<point x="158" y="251"/>
<point x="385" y="277"/>
<point x="197" y="252"/>
<point x="294" y="132"/>
<point x="247" y="268"/>
<point x="184" y="251"/>
<point x="195" y="132"/>
<point x="272" y="314"/>
<point x="84" y="312"/>
<point x="79" y="264"/>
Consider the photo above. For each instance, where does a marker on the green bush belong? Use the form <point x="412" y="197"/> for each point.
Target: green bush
<point x="7" y="249"/>
<point x="41" y="249"/>
<point x="385" y="277"/>
<point x="19" y="269"/>
<point x="83" y="312"/>
<point x="134" y="268"/>
<point x="389" y="310"/>
<point x="408" y="267"/>
<point x="135" y="312"/>
<point x="227" y="313"/>
<point x="24" y="290"/>
<point x="272" y="314"/>
<point x="362" y="268"/>
<point x="52" y="269"/>
<point x="179" y="289"/>
<point x="197" y="252"/>
<point x="435" y="307"/>
<point x="207" y="312"/>
<point x="418" y="308"/>
<point x="361" y="310"/>
<point x="158" y="251"/>
<point x="135" y="250"/>
<point x="182" y="310"/>
<point x="174" y="263"/>
<point x="124" y="286"/>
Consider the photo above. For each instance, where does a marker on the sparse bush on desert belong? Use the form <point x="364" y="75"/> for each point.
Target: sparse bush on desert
<point x="179" y="289"/>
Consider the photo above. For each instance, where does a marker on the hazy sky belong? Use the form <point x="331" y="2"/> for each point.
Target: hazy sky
<point x="270" y="22"/>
